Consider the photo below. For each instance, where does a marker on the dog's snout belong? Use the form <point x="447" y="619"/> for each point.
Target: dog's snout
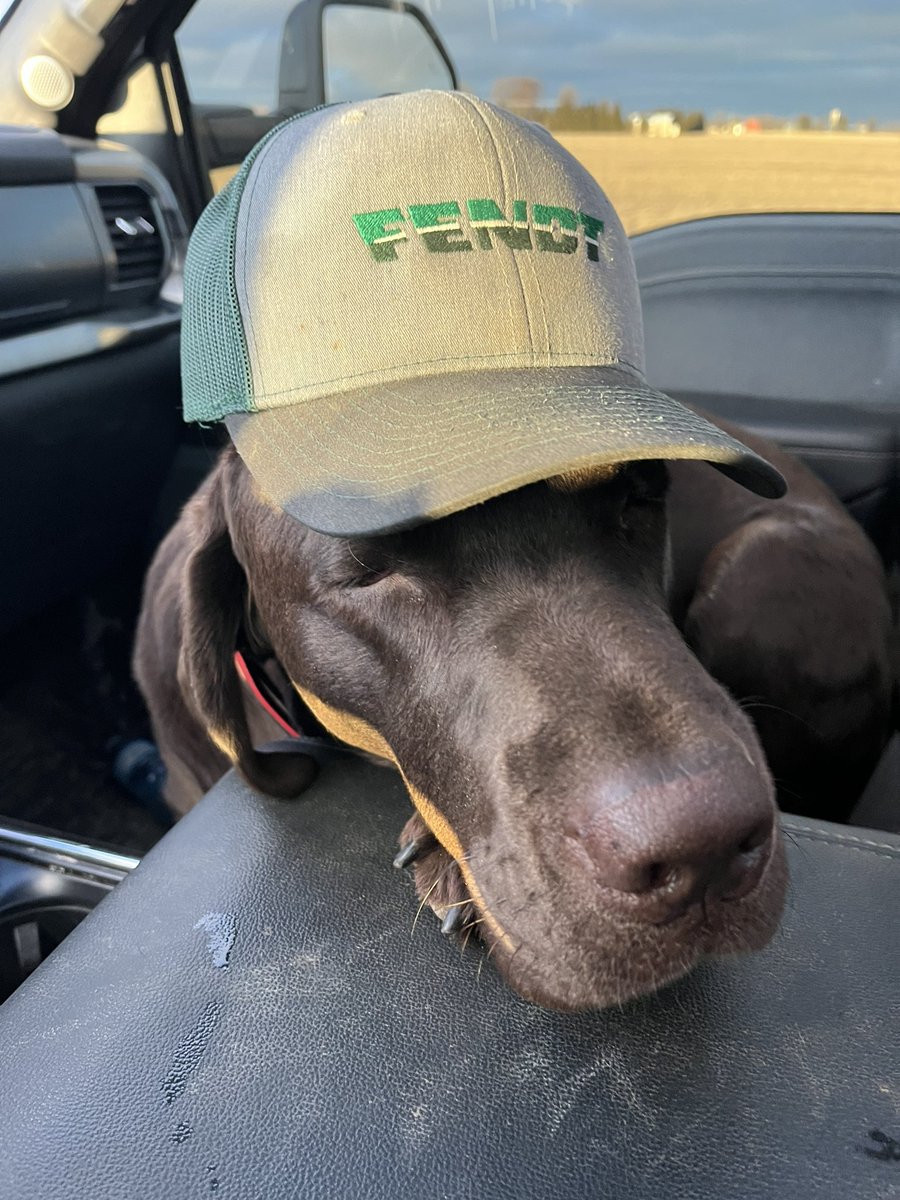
<point x="673" y="845"/>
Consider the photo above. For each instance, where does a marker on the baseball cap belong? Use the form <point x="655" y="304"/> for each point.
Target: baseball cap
<point x="402" y="307"/>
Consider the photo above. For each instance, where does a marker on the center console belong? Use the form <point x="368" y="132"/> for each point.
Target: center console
<point x="48" y="884"/>
<point x="254" y="1011"/>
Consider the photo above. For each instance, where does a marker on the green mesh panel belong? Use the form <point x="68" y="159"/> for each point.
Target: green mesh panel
<point x="215" y="366"/>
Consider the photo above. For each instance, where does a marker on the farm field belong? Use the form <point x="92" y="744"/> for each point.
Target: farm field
<point x="659" y="181"/>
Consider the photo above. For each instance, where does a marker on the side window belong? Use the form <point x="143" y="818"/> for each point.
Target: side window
<point x="248" y="66"/>
<point x="370" y="51"/>
<point x="230" y="53"/>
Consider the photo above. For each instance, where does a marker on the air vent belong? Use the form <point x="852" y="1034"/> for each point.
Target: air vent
<point x="133" y="227"/>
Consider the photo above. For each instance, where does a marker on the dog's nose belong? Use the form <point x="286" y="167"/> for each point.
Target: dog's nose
<point x="674" y="844"/>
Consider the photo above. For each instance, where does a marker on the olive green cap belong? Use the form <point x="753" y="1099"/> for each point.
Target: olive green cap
<point x="405" y="306"/>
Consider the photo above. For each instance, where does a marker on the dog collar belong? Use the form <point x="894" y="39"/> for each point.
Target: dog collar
<point x="260" y="687"/>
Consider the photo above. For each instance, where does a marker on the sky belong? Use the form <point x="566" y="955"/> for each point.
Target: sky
<point x="740" y="57"/>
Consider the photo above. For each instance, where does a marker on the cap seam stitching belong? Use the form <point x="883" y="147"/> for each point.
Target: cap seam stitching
<point x="529" y="265"/>
<point x="471" y="104"/>
<point x="633" y="454"/>
<point x="465" y="101"/>
<point x="461" y="358"/>
<point x="248" y="325"/>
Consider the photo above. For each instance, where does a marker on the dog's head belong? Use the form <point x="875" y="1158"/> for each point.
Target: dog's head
<point x="608" y="803"/>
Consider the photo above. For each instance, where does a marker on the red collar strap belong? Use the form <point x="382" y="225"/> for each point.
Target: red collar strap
<point x="262" y="690"/>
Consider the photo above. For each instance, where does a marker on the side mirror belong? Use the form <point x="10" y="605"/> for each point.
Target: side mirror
<point x="334" y="50"/>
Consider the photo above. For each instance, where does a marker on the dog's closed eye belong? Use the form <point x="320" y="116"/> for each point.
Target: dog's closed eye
<point x="633" y="500"/>
<point x="640" y="492"/>
<point x="370" y="577"/>
<point x="645" y="483"/>
<point x="366" y="574"/>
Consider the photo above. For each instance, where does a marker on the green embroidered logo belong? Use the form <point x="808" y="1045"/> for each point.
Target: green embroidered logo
<point x="554" y="228"/>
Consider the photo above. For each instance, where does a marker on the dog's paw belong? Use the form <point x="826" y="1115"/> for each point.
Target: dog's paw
<point x="439" y="882"/>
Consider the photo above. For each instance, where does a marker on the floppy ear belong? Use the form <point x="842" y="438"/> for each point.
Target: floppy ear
<point x="790" y="614"/>
<point x="213" y="603"/>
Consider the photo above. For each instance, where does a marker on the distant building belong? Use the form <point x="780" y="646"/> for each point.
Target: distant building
<point x="663" y="124"/>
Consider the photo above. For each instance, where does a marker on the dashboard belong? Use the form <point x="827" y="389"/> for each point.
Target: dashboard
<point x="90" y="290"/>
<point x="97" y="235"/>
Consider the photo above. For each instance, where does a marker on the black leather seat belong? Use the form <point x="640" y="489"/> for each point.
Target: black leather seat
<point x="253" y="1013"/>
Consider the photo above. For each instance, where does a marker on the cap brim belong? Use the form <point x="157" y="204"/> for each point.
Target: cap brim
<point x="389" y="456"/>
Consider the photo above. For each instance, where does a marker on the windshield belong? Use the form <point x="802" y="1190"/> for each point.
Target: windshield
<point x="700" y="108"/>
<point x="685" y="110"/>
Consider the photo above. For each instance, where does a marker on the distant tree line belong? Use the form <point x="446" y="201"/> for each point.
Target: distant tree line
<point x="522" y="95"/>
<point x="583" y="118"/>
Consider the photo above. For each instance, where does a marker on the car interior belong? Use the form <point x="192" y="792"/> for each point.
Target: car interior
<point x="235" y="1003"/>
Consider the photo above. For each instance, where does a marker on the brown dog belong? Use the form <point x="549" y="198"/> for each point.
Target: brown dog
<point x="586" y="792"/>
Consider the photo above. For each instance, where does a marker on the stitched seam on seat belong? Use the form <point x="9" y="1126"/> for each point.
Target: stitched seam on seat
<point x="875" y="456"/>
<point x="847" y="840"/>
